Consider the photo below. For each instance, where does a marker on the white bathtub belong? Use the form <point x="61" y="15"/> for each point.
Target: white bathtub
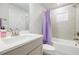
<point x="65" y="47"/>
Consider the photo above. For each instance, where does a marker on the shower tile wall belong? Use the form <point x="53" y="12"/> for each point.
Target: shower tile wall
<point x="63" y="22"/>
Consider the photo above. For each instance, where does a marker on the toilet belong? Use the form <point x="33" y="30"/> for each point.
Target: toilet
<point x="48" y="49"/>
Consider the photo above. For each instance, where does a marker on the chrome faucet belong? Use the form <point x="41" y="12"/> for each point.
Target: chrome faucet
<point x="14" y="32"/>
<point x="76" y="38"/>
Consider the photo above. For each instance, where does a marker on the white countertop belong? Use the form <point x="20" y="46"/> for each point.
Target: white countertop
<point x="10" y="43"/>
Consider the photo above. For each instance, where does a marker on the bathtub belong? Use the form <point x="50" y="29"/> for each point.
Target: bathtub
<point x="65" y="47"/>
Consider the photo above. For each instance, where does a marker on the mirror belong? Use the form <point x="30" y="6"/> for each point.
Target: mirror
<point x="16" y="15"/>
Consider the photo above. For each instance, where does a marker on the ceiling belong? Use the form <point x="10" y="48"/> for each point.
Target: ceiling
<point x="24" y="6"/>
<point x="54" y="5"/>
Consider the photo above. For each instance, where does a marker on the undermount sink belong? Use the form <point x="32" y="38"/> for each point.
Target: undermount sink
<point x="16" y="39"/>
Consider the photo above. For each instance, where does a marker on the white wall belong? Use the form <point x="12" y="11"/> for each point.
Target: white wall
<point x="63" y="22"/>
<point x="36" y="18"/>
<point x="16" y="17"/>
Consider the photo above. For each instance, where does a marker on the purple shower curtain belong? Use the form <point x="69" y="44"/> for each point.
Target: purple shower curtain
<point x="46" y="27"/>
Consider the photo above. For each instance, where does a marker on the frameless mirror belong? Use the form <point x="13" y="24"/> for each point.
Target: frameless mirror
<point x="15" y="15"/>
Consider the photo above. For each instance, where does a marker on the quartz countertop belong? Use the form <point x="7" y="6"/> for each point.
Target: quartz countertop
<point x="10" y="43"/>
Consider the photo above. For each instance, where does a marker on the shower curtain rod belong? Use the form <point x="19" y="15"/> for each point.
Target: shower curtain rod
<point x="73" y="4"/>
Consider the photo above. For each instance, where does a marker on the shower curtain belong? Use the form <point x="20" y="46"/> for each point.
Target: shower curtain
<point x="46" y="28"/>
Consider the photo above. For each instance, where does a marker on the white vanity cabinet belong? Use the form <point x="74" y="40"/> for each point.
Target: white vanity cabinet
<point x="37" y="51"/>
<point x="32" y="48"/>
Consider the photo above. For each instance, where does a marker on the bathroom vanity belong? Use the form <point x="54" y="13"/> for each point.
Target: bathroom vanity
<point x="29" y="44"/>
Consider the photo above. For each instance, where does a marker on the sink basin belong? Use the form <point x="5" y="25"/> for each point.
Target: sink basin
<point x="17" y="39"/>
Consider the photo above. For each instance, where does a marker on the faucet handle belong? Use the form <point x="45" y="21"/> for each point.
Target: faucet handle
<point x="17" y="31"/>
<point x="11" y="29"/>
<point x="75" y="39"/>
<point x="77" y="33"/>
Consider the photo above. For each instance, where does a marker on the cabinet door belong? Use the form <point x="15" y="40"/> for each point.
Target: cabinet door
<point x="37" y="51"/>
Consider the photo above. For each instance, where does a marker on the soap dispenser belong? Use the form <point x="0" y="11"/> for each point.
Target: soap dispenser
<point x="2" y="32"/>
